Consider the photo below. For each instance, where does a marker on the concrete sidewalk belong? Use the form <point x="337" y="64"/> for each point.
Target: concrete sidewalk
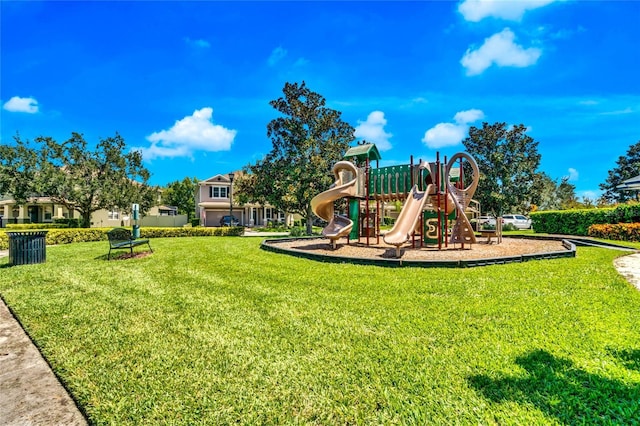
<point x="30" y="394"/>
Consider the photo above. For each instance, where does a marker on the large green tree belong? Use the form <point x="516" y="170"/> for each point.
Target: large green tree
<point x="308" y="139"/>
<point x="548" y="194"/>
<point x="181" y="194"/>
<point x="18" y="170"/>
<point x="627" y="166"/>
<point x="567" y="195"/>
<point x="508" y="159"/>
<point x="545" y="192"/>
<point x="80" y="178"/>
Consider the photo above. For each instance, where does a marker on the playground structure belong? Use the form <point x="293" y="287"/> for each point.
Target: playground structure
<point x="433" y="196"/>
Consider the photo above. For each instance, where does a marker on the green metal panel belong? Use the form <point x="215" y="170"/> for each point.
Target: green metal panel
<point x="354" y="215"/>
<point x="430" y="227"/>
<point x="390" y="180"/>
<point x="405" y="178"/>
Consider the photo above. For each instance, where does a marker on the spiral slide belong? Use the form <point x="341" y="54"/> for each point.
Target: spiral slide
<point x="408" y="218"/>
<point x="322" y="204"/>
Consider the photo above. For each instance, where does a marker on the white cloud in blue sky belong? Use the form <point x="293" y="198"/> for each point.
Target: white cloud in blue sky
<point x="580" y="88"/>
<point x="372" y="130"/>
<point x="188" y="135"/>
<point x="511" y="10"/>
<point x="277" y="55"/>
<point x="499" y="49"/>
<point x="451" y="134"/>
<point x="573" y="174"/>
<point x="197" y="43"/>
<point x="18" y="104"/>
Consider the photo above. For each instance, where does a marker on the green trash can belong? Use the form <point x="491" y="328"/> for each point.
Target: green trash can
<point x="27" y="247"/>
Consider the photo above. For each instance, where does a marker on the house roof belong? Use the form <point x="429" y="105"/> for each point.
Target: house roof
<point x="363" y="152"/>
<point x="631" y="184"/>
<point x="221" y="177"/>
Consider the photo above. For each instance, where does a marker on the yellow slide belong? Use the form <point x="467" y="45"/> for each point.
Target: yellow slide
<point x="408" y="218"/>
<point x="322" y="204"/>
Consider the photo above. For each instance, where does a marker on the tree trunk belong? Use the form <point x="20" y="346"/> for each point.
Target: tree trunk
<point x="309" y="221"/>
<point x="86" y="220"/>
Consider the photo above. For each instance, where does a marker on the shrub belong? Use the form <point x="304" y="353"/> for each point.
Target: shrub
<point x="17" y="226"/>
<point x="71" y="223"/>
<point x="297" y="231"/>
<point x="617" y="231"/>
<point x="198" y="231"/>
<point x="571" y="222"/>
<point x="81" y="235"/>
<point x="195" y="222"/>
<point x="388" y="220"/>
<point x="509" y="227"/>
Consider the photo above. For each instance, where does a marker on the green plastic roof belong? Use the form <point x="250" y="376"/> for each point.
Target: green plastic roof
<point x="361" y="152"/>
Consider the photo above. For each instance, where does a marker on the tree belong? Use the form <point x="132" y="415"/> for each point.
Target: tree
<point x="18" y="170"/>
<point x="81" y="179"/>
<point x="627" y="166"/>
<point x="567" y="195"/>
<point x="545" y="192"/>
<point x="508" y="160"/>
<point x="307" y="140"/>
<point x="182" y="195"/>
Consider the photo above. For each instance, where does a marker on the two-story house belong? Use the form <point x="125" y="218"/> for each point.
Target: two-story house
<point x="213" y="201"/>
<point x="45" y="210"/>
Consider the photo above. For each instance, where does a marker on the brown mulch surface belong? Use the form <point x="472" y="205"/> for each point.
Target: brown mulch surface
<point x="138" y="255"/>
<point x="480" y="250"/>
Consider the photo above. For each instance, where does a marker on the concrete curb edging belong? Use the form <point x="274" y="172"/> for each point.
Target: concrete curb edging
<point x="394" y="263"/>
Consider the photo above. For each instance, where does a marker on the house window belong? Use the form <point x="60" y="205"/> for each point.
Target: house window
<point x="114" y="214"/>
<point x="218" y="192"/>
<point x="268" y="213"/>
<point x="48" y="212"/>
<point x="15" y="212"/>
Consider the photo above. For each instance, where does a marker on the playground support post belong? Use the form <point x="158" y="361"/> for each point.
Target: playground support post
<point x="438" y="209"/>
<point x="446" y="207"/>
<point x="460" y="185"/>
<point x="366" y="197"/>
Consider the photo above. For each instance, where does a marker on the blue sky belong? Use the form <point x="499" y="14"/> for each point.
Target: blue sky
<point x="189" y="83"/>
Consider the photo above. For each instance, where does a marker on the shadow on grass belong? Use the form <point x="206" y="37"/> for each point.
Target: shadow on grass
<point x="124" y="256"/>
<point x="571" y="395"/>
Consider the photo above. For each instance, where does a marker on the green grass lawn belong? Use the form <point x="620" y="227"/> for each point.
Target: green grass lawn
<point x="213" y="330"/>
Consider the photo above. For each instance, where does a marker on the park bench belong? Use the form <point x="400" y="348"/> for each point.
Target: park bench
<point x="120" y="238"/>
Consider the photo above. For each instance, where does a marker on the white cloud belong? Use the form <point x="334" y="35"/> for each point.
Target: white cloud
<point x="301" y="62"/>
<point x="193" y="133"/>
<point x="511" y="10"/>
<point x="451" y="134"/>
<point x="499" y="49"/>
<point x="197" y="43"/>
<point x="627" y="110"/>
<point x="276" y="55"/>
<point x="372" y="130"/>
<point x="573" y="174"/>
<point x="18" y="104"/>
<point x="468" y="116"/>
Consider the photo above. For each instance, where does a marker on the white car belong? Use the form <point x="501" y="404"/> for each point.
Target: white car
<point x="517" y="220"/>
<point x="487" y="220"/>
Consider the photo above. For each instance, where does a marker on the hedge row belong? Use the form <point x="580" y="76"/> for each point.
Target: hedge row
<point x="80" y="235"/>
<point x="18" y="226"/>
<point x="577" y="222"/>
<point x="618" y="231"/>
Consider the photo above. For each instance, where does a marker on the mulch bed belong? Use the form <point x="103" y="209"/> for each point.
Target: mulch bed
<point x="480" y="250"/>
<point x="138" y="255"/>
